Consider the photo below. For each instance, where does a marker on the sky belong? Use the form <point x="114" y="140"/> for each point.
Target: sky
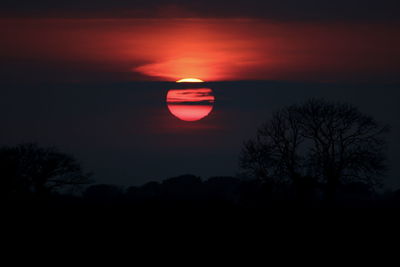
<point x="92" y="77"/>
<point x="294" y="10"/>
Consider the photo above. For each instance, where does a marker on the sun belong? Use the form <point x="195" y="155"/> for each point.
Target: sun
<point x="190" y="80"/>
<point x="191" y="104"/>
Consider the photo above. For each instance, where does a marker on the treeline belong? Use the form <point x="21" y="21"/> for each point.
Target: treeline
<point x="224" y="193"/>
<point x="33" y="175"/>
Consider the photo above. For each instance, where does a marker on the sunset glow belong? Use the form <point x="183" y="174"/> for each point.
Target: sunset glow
<point x="189" y="80"/>
<point x="210" y="49"/>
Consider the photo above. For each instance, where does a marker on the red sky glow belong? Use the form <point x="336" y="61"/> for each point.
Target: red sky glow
<point x="209" y="49"/>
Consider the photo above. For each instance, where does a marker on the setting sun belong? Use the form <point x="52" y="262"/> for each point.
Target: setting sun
<point x="190" y="80"/>
<point x="191" y="104"/>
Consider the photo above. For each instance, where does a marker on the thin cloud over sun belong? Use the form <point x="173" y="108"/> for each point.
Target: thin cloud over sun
<point x="191" y="95"/>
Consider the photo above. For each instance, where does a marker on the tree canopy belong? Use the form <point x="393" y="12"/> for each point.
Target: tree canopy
<point x="330" y="143"/>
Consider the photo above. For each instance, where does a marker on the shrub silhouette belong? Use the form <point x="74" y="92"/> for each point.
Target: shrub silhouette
<point x="28" y="170"/>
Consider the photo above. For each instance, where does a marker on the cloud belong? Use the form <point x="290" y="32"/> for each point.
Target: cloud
<point x="196" y="96"/>
<point x="207" y="49"/>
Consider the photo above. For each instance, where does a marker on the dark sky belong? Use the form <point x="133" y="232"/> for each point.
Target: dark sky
<point x="91" y="77"/>
<point x="125" y="134"/>
<point x="312" y="10"/>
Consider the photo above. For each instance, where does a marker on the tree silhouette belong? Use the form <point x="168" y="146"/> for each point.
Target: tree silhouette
<point x="30" y="170"/>
<point x="330" y="143"/>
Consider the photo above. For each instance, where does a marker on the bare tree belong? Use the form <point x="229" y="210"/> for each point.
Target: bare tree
<point x="333" y="143"/>
<point x="274" y="153"/>
<point x="28" y="169"/>
<point x="346" y="144"/>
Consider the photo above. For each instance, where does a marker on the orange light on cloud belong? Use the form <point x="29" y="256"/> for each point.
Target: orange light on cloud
<point x="207" y="49"/>
<point x="171" y="69"/>
<point x="190" y="80"/>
